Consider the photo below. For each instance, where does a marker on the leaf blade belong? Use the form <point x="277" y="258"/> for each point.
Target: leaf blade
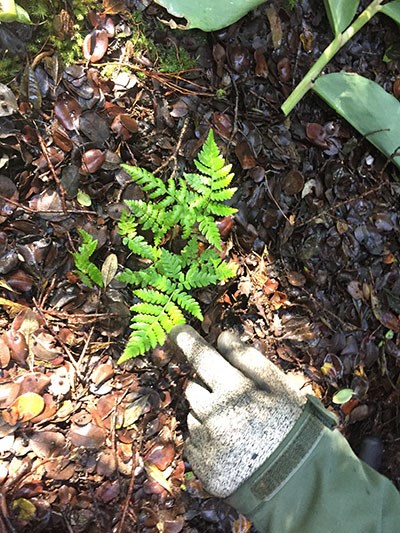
<point x="350" y="95"/>
<point x="340" y="13"/>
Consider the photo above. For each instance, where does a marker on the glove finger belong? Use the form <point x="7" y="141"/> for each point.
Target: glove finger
<point x="197" y="434"/>
<point x="200" y="400"/>
<point x="215" y="372"/>
<point x="254" y="365"/>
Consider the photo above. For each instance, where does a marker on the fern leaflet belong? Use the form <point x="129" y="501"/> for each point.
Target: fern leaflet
<point x="87" y="271"/>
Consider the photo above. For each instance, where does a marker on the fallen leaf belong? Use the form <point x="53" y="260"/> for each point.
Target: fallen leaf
<point x="133" y="412"/>
<point x="154" y="473"/>
<point x="24" y="408"/>
<point x="275" y="25"/>
<point x="24" y="509"/>
<point x="47" y="443"/>
<point x="88" y="436"/>
<point x="109" y="269"/>
<point x="160" y="455"/>
<point x="95" y="45"/>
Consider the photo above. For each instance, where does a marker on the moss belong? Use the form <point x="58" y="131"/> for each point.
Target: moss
<point x="45" y="13"/>
<point x="166" y="58"/>
<point x="9" y="68"/>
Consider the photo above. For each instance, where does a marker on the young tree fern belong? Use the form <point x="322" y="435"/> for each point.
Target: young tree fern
<point x="188" y="208"/>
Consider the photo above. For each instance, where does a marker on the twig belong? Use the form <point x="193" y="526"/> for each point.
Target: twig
<point x="130" y="490"/>
<point x="85" y="347"/>
<point x="55" y="334"/>
<point x="173" y="157"/>
<point x="52" y="169"/>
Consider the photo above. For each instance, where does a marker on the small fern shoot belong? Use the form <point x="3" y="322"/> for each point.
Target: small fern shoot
<point x="87" y="271"/>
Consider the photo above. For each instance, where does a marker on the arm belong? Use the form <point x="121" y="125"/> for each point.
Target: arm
<point x="273" y="453"/>
<point x="318" y="485"/>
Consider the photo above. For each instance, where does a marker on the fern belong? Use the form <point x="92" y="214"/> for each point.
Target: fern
<point x="186" y="208"/>
<point x="87" y="271"/>
<point x="194" y="201"/>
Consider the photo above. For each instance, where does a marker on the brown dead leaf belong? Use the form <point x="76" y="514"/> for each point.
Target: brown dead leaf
<point x="95" y="45"/>
<point x="43" y="346"/>
<point x="108" y="491"/>
<point x="160" y="455"/>
<point x="261" y="63"/>
<point x="46" y="444"/>
<point x="275" y="25"/>
<point x="88" y="436"/>
<point x="9" y="391"/>
<point x="5" y="355"/>
<point x="33" y="382"/>
<point x="245" y="155"/>
<point x="386" y="318"/>
<point x="18" y="347"/>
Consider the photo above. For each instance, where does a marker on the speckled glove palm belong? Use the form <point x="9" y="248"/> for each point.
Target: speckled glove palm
<point x="240" y="412"/>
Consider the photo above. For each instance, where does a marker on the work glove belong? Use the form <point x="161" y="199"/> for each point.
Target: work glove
<point x="242" y="408"/>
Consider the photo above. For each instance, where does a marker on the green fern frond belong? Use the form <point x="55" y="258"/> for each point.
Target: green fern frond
<point x="151" y="296"/>
<point x="151" y="328"/>
<point x="208" y="228"/>
<point x="188" y="303"/>
<point x="225" y="271"/>
<point x="139" y="246"/>
<point x="209" y="157"/>
<point x="147" y="180"/>
<point x="188" y="208"/>
<point x="170" y="264"/>
<point x="87" y="271"/>
<point x="190" y="252"/>
<point x="220" y="210"/>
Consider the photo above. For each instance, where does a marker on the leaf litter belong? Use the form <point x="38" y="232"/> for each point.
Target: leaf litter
<point x="315" y="241"/>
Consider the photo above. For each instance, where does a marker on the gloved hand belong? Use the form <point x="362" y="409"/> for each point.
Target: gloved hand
<point x="240" y="412"/>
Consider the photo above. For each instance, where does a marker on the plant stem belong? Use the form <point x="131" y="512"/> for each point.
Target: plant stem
<point x="340" y="40"/>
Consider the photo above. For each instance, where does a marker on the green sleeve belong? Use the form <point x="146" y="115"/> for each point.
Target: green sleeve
<point x="314" y="483"/>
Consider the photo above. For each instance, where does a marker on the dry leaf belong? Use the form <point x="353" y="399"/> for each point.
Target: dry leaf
<point x="154" y="473"/>
<point x="133" y="412"/>
<point x="109" y="269"/>
<point x="275" y="24"/>
<point x="24" y="408"/>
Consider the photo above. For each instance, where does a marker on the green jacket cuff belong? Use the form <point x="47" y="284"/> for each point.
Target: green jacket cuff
<point x="314" y="483"/>
<point x="287" y="458"/>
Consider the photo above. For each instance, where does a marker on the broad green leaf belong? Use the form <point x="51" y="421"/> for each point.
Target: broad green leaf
<point x="209" y="15"/>
<point x="8" y="11"/>
<point x="342" y="396"/>
<point x="22" y="15"/>
<point x="392" y="10"/>
<point x="109" y="269"/>
<point x="340" y="13"/>
<point x="366" y="106"/>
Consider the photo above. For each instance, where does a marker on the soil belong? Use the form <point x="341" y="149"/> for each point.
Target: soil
<point x="88" y="445"/>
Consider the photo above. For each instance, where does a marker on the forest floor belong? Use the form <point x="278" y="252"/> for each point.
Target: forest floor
<point x="87" y="445"/>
